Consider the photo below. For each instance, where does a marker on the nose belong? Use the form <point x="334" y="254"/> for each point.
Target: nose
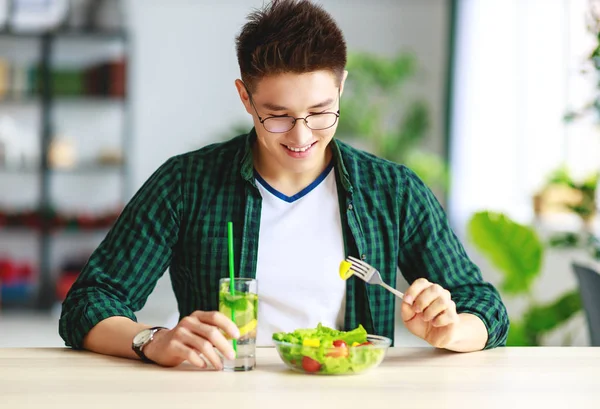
<point x="301" y="133"/>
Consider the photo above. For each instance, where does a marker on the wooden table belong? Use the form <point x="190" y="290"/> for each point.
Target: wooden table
<point x="540" y="378"/>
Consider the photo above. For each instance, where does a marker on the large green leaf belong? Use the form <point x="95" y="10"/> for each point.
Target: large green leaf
<point x="545" y="318"/>
<point x="518" y="336"/>
<point x="514" y="249"/>
<point x="379" y="71"/>
<point x="430" y="168"/>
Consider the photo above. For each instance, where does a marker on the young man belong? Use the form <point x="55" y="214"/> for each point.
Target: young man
<point x="300" y="201"/>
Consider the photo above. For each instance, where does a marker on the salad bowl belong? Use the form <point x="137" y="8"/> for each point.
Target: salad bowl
<point x="326" y="351"/>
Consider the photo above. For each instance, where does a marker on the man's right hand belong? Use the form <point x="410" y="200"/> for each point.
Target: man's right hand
<point x="195" y="334"/>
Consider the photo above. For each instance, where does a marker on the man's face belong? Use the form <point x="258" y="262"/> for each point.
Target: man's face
<point x="301" y="149"/>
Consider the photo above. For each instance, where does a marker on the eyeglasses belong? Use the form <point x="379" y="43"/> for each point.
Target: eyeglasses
<point x="285" y="123"/>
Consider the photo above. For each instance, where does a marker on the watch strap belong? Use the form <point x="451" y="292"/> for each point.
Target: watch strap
<point x="139" y="349"/>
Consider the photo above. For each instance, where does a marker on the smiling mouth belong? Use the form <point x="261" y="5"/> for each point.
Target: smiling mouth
<point x="301" y="149"/>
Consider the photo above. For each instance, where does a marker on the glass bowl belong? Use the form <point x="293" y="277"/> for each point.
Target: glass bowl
<point x="336" y="360"/>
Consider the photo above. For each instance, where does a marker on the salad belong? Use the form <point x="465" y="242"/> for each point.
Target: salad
<point x="326" y="350"/>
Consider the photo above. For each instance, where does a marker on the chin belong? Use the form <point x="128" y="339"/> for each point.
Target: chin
<point x="300" y="166"/>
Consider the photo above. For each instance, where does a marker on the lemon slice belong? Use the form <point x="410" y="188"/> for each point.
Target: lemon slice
<point x="244" y="329"/>
<point x="345" y="272"/>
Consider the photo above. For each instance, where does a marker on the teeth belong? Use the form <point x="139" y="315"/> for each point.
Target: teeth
<point x="299" y="149"/>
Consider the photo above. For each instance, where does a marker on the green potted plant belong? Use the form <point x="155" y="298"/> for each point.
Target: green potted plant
<point x="587" y="190"/>
<point x="377" y="112"/>
<point x="562" y="193"/>
<point x="517" y="252"/>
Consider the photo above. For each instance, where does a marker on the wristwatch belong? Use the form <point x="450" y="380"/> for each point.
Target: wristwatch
<point x="142" y="339"/>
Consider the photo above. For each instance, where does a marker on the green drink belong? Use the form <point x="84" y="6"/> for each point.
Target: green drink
<point x="242" y="308"/>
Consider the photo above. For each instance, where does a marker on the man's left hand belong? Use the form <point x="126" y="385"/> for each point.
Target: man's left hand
<point x="429" y="312"/>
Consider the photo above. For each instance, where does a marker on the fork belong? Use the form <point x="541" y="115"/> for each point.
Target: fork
<point x="370" y="274"/>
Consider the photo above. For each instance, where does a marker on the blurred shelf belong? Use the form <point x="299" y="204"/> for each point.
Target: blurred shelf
<point x="29" y="99"/>
<point x="67" y="33"/>
<point x="20" y="170"/>
<point x="89" y="169"/>
<point x="91" y="99"/>
<point x="54" y="229"/>
<point x="52" y="221"/>
<point x="89" y="61"/>
<point x="80" y="230"/>
<point x="18" y="230"/>
<point x="86" y="169"/>
<point x="64" y="99"/>
<point x="17" y="296"/>
<point x="70" y="49"/>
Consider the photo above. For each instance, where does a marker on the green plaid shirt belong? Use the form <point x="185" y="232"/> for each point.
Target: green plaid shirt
<point x="178" y="221"/>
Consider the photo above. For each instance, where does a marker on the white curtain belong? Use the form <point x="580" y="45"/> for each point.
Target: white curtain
<point x="517" y="70"/>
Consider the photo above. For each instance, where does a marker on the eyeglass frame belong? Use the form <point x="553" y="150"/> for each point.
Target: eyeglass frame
<point x="262" y="121"/>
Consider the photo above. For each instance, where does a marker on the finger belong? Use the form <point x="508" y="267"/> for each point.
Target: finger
<point x="415" y="289"/>
<point x="428" y="296"/>
<point x="218" y="340"/>
<point x="197" y="344"/>
<point x="448" y="317"/>
<point x="209" y="353"/>
<point x="407" y="312"/>
<point x="202" y="331"/>
<point x="185" y="352"/>
<point x="194" y="340"/>
<point x="438" y="306"/>
<point x="219" y="320"/>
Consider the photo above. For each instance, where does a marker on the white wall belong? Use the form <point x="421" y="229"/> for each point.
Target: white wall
<point x="185" y="64"/>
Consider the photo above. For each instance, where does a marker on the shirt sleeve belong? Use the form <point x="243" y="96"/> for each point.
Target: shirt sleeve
<point x="122" y="272"/>
<point x="430" y="249"/>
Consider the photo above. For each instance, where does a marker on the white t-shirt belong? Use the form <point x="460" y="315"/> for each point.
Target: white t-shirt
<point x="299" y="251"/>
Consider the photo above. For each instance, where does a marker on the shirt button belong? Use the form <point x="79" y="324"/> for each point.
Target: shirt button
<point x="350" y="207"/>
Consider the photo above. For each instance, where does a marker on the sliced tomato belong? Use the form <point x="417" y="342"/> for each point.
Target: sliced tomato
<point x="310" y="365"/>
<point x="366" y="343"/>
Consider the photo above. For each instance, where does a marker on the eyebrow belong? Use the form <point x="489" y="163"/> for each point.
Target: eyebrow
<point x="274" y="107"/>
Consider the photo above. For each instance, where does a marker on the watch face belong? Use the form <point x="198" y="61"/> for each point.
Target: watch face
<point x="142" y="337"/>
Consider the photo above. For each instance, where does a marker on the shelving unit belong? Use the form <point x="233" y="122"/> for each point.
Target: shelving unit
<point x="76" y="49"/>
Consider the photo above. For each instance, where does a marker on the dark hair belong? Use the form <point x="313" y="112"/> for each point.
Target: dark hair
<point x="289" y="36"/>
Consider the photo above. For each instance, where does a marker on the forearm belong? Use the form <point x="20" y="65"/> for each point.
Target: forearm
<point x="113" y="336"/>
<point x="471" y="334"/>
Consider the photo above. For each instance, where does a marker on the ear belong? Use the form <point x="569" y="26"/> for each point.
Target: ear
<point x="244" y="97"/>
<point x="343" y="82"/>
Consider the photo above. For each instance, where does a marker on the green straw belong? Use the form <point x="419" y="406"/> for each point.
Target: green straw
<point x="231" y="281"/>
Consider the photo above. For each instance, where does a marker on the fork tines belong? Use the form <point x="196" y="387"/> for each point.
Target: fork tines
<point x="357" y="266"/>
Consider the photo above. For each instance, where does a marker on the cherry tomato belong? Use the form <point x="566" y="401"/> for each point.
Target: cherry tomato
<point x="310" y="365"/>
<point x="340" y="350"/>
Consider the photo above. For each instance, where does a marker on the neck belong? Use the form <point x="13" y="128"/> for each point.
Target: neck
<point x="286" y="182"/>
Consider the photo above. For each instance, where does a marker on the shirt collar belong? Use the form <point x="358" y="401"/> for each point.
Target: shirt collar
<point x="340" y="167"/>
<point x="247" y="162"/>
